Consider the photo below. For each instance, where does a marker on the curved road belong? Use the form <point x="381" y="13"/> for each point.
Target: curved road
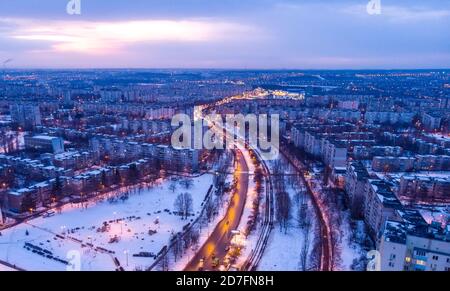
<point x="220" y="238"/>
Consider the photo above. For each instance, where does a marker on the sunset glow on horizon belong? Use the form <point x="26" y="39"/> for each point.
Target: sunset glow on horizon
<point x="266" y="34"/>
<point x="103" y="37"/>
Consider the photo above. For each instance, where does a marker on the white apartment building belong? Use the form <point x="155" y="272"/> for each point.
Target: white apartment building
<point x="408" y="164"/>
<point x="73" y="160"/>
<point x="355" y="186"/>
<point x="380" y="204"/>
<point x="46" y="143"/>
<point x="26" y="115"/>
<point x="376" y="117"/>
<point x="368" y="152"/>
<point x="173" y="159"/>
<point x="32" y="168"/>
<point x="348" y="104"/>
<point x="334" y="153"/>
<point x="393" y="164"/>
<point x="406" y="246"/>
<point x="424" y="187"/>
<point x="432" y="121"/>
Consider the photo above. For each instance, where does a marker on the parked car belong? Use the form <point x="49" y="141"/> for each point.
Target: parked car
<point x="49" y="213"/>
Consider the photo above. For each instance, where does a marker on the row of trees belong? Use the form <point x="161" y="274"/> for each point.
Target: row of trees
<point x="185" y="183"/>
<point x="282" y="199"/>
<point x="178" y="244"/>
<point x="298" y="210"/>
<point x="304" y="220"/>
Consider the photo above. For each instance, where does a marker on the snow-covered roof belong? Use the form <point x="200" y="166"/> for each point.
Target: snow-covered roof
<point x="44" y="137"/>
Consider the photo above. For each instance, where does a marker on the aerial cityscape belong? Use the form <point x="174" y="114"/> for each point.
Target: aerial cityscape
<point x="194" y="139"/>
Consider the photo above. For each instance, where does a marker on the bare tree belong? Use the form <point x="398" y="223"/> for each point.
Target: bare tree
<point x="187" y="239"/>
<point x="187" y="183"/>
<point x="283" y="209"/>
<point x="163" y="264"/>
<point x="177" y="246"/>
<point x="184" y="204"/>
<point x="306" y="225"/>
<point x="314" y="258"/>
<point x="173" y="186"/>
<point x="209" y="209"/>
<point x="195" y="237"/>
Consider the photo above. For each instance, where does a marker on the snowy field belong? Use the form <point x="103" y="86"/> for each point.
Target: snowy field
<point x="4" y="268"/>
<point x="283" y="250"/>
<point x="104" y="233"/>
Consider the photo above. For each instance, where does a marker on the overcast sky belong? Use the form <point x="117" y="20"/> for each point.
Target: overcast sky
<point x="303" y="34"/>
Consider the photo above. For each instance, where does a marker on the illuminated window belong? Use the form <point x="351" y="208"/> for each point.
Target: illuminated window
<point x="421" y="262"/>
<point x="420" y="253"/>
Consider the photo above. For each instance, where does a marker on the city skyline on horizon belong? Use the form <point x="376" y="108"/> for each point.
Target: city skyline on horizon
<point x="300" y="70"/>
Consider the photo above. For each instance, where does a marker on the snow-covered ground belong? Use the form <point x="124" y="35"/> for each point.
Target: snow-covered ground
<point x="68" y="234"/>
<point x="350" y="249"/>
<point x="4" y="268"/>
<point x="283" y="250"/>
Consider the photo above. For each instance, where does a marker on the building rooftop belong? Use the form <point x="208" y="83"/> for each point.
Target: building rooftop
<point x="360" y="170"/>
<point x="45" y="137"/>
<point x="385" y="194"/>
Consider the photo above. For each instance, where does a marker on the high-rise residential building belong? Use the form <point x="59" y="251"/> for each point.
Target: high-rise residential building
<point x="380" y="204"/>
<point x="46" y="143"/>
<point x="414" y="246"/>
<point x="26" y="115"/>
<point x="355" y="185"/>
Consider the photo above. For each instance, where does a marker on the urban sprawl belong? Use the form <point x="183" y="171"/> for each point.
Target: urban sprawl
<point x="87" y="166"/>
